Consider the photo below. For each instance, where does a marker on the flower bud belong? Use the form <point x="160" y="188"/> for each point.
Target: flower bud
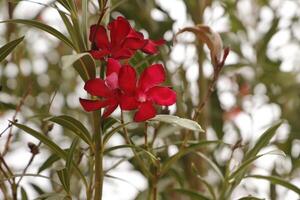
<point x="34" y="149"/>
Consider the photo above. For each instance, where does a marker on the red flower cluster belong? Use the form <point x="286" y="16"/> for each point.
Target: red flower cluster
<point x="124" y="41"/>
<point x="122" y="86"/>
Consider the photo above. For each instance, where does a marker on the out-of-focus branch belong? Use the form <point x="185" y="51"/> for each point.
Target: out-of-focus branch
<point x="14" y="118"/>
<point x="217" y="69"/>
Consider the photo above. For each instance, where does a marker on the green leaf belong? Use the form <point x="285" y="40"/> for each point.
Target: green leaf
<point x="277" y="181"/>
<point x="29" y="175"/>
<point x="250" y="198"/>
<point x="24" y="194"/>
<point x="263" y="140"/>
<point x="245" y="165"/>
<point x="51" y="159"/>
<point x="166" y="166"/>
<point x="52" y="146"/>
<point x="9" y="47"/>
<point x="44" y="139"/>
<point x="75" y="126"/>
<point x="70" y="28"/>
<point x="153" y="157"/>
<point x="65" y="4"/>
<point x="84" y="23"/>
<point x="7" y="106"/>
<point x="52" y="196"/>
<point x="37" y="189"/>
<point x="108" y="122"/>
<point x="108" y="135"/>
<point x="83" y="63"/>
<point x="43" y="27"/>
<point x="64" y="178"/>
<point x="209" y="187"/>
<point x="182" y="122"/>
<point x="192" y="194"/>
<point x="212" y="164"/>
<point x="71" y="154"/>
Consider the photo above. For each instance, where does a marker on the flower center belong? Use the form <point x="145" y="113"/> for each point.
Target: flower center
<point x="142" y="97"/>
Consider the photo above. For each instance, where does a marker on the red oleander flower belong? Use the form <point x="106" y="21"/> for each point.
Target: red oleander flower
<point x="144" y="93"/>
<point x="122" y="43"/>
<point x="107" y="90"/>
<point x="121" y="87"/>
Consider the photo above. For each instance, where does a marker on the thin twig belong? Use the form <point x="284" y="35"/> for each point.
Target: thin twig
<point x="18" y="109"/>
<point x="217" y="69"/>
<point x="28" y="164"/>
<point x="8" y="126"/>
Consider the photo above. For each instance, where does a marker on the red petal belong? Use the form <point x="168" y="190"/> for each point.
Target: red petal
<point x="162" y="95"/>
<point x="135" y="34"/>
<point x="122" y="53"/>
<point x="92" y="105"/>
<point x="112" y="81"/>
<point x="99" y="54"/>
<point x="152" y="76"/>
<point x="112" y="66"/>
<point x="146" y="111"/>
<point x="151" y="46"/>
<point x="97" y="87"/>
<point x="133" y="43"/>
<point x="111" y="108"/>
<point x="127" y="79"/>
<point x="119" y="29"/>
<point x="128" y="102"/>
<point x="99" y="36"/>
<point x="134" y="40"/>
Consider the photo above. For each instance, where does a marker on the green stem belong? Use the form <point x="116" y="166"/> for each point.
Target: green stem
<point x="136" y="156"/>
<point x="98" y="156"/>
<point x="153" y="183"/>
<point x="146" y="136"/>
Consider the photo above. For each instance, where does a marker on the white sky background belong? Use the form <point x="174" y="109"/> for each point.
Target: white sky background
<point x="259" y="114"/>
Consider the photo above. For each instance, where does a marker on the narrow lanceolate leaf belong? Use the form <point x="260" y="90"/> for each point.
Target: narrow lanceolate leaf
<point x="84" y="23"/>
<point x="250" y="198"/>
<point x="166" y="166"/>
<point x="108" y="123"/>
<point x="9" y="47"/>
<point x="69" y="27"/>
<point x="182" y="122"/>
<point x="125" y="146"/>
<point x="263" y="140"/>
<point x="50" y="160"/>
<point x="83" y="64"/>
<point x="64" y="178"/>
<point x="69" y="60"/>
<point x="277" y="181"/>
<point x="112" y="132"/>
<point x="51" y="145"/>
<point x="71" y="154"/>
<point x="192" y="194"/>
<point x="251" y="155"/>
<point x="7" y="106"/>
<point x="245" y="165"/>
<point x="212" y="164"/>
<point x="65" y="4"/>
<point x="43" y="27"/>
<point x="74" y="126"/>
<point x="24" y="194"/>
<point x="44" y="139"/>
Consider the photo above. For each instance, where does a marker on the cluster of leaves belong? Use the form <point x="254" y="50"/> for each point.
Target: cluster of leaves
<point x="179" y="176"/>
